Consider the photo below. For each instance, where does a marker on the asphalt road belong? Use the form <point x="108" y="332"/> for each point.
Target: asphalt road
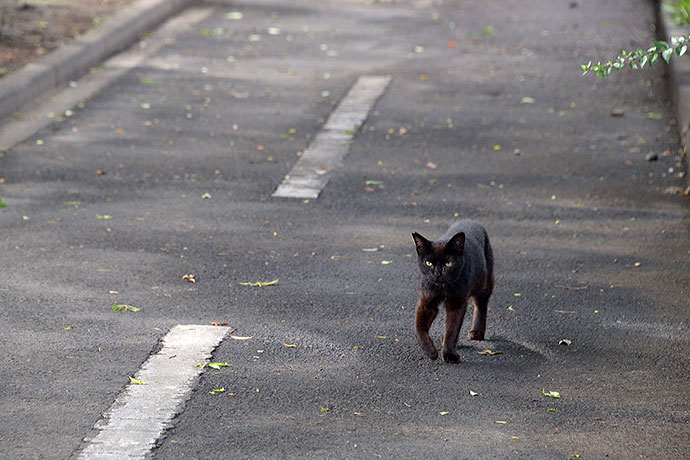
<point x="169" y="171"/>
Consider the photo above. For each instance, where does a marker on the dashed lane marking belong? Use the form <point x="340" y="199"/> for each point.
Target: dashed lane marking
<point x="142" y="412"/>
<point x="310" y="174"/>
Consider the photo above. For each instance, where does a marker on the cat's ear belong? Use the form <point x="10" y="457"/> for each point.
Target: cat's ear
<point x="457" y="243"/>
<point x="421" y="243"/>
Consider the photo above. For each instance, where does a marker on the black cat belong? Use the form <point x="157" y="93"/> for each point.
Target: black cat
<point x="456" y="267"/>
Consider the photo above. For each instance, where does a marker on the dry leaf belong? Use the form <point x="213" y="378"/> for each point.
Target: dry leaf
<point x="113" y="292"/>
<point x="191" y="278"/>
<point x="675" y="190"/>
<point x="216" y="323"/>
<point x="431" y="165"/>
<point x="490" y="352"/>
<point x="237" y="337"/>
<point x="290" y="345"/>
<point x="261" y="283"/>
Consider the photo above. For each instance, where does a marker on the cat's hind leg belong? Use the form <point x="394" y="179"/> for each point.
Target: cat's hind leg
<point x="481" y="305"/>
<point x="426" y="311"/>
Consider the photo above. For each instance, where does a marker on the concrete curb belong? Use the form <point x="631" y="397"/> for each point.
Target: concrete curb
<point x="76" y="58"/>
<point x="679" y="83"/>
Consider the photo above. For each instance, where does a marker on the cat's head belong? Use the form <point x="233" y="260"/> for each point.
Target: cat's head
<point x="439" y="261"/>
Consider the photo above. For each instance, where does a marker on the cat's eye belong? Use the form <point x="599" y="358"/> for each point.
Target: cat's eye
<point x="428" y="264"/>
<point x="448" y="264"/>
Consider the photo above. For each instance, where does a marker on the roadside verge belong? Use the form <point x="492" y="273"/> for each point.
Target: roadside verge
<point x="76" y="58"/>
<point x="679" y="84"/>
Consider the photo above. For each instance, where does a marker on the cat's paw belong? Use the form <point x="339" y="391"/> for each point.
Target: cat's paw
<point x="431" y="353"/>
<point x="476" y="335"/>
<point x="451" y="357"/>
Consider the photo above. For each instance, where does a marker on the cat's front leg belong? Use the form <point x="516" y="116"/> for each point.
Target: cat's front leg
<point x="455" y="313"/>
<point x="426" y="311"/>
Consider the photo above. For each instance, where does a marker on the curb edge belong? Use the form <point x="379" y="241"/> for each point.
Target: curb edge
<point x="77" y="57"/>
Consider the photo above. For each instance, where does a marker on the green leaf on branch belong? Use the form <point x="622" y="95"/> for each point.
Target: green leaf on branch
<point x="637" y="59"/>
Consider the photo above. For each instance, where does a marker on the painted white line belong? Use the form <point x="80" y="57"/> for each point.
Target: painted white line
<point x="326" y="151"/>
<point x="140" y="415"/>
<point x="43" y="112"/>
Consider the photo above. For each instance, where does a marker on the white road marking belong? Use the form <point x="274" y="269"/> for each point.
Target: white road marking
<point x="36" y="116"/>
<point x="326" y="151"/>
<point x="140" y="415"/>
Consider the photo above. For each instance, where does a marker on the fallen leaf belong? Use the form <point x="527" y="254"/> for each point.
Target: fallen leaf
<point x="490" y="352"/>
<point x="217" y="390"/>
<point x="261" y="283"/>
<point x="217" y="365"/>
<point x="501" y="422"/>
<point x="361" y="414"/>
<point x="565" y="342"/>
<point x="136" y="382"/>
<point x="443" y="413"/>
<point x="431" y="165"/>
<point x="527" y="100"/>
<point x="514" y="437"/>
<point x="386" y="262"/>
<point x="125" y="308"/>
<point x="290" y="345"/>
<point x="550" y="394"/>
<point x="113" y="292"/>
<point x="190" y="277"/>
<point x="238" y="337"/>
<point x="473" y="393"/>
<point x="216" y="323"/>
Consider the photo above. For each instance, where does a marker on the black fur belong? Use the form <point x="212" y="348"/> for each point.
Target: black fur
<point x="455" y="268"/>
